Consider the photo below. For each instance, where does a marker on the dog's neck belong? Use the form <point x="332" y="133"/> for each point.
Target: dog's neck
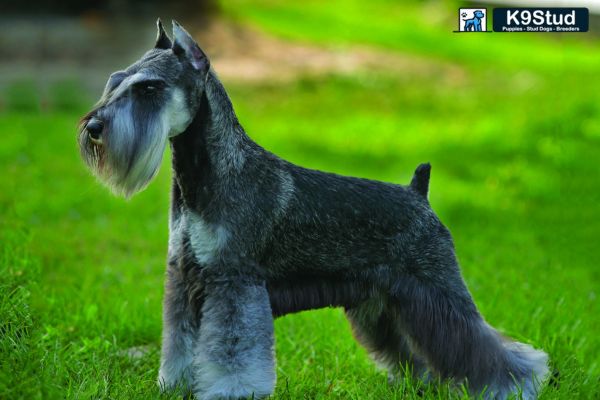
<point x="212" y="148"/>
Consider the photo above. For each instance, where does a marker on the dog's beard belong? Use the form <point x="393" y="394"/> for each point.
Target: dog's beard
<point x="131" y="150"/>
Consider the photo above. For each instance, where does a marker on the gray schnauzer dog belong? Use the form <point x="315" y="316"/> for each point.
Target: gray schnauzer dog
<point x="253" y="237"/>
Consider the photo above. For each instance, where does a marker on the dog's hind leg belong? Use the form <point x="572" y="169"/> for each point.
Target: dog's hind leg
<point x="376" y="328"/>
<point x="439" y="316"/>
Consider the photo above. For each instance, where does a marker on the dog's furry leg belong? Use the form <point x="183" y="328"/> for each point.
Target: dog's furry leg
<point x="179" y="332"/>
<point x="377" y="329"/>
<point x="234" y="355"/>
<point x="444" y="326"/>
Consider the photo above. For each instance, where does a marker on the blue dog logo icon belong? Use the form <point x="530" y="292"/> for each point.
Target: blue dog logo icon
<point x="472" y="20"/>
<point x="474" y="24"/>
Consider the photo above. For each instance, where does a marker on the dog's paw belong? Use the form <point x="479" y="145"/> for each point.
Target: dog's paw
<point x="168" y="383"/>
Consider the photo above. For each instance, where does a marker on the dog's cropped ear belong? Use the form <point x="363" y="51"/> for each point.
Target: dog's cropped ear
<point x="185" y="47"/>
<point x="162" y="40"/>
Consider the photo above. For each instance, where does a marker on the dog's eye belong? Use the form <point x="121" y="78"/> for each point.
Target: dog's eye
<point x="149" y="87"/>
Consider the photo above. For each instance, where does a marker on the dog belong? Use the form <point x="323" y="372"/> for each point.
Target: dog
<point x="474" y="24"/>
<point x="253" y="237"/>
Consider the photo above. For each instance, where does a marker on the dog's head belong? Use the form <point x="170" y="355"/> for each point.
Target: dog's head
<point x="478" y="14"/>
<point x="122" y="139"/>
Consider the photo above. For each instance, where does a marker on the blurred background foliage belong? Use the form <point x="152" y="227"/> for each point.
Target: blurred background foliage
<point x="510" y="123"/>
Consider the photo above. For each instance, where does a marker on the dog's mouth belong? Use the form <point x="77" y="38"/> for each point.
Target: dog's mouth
<point x="91" y="145"/>
<point x="94" y="128"/>
<point x="93" y="152"/>
<point x="122" y="158"/>
<point x="96" y="140"/>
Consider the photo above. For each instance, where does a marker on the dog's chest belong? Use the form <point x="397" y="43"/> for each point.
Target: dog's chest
<point x="206" y="240"/>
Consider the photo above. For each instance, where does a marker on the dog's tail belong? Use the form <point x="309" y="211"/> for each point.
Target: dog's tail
<point x="420" y="180"/>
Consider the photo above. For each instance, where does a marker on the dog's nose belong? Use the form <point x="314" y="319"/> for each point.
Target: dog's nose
<point x="94" y="128"/>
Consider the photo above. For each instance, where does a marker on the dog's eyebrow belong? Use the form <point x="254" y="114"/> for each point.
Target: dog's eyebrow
<point x="131" y="80"/>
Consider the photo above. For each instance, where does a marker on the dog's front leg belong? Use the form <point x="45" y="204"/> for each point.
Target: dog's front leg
<point x="179" y="332"/>
<point x="234" y="355"/>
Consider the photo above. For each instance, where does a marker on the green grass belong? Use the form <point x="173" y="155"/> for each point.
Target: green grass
<point x="514" y="146"/>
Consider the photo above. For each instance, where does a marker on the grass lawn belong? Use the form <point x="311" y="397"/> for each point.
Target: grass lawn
<point x="513" y="134"/>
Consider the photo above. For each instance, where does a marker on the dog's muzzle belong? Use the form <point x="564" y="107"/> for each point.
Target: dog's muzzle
<point x="94" y="129"/>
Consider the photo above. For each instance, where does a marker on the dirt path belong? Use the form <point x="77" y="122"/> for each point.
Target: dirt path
<point x="243" y="53"/>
